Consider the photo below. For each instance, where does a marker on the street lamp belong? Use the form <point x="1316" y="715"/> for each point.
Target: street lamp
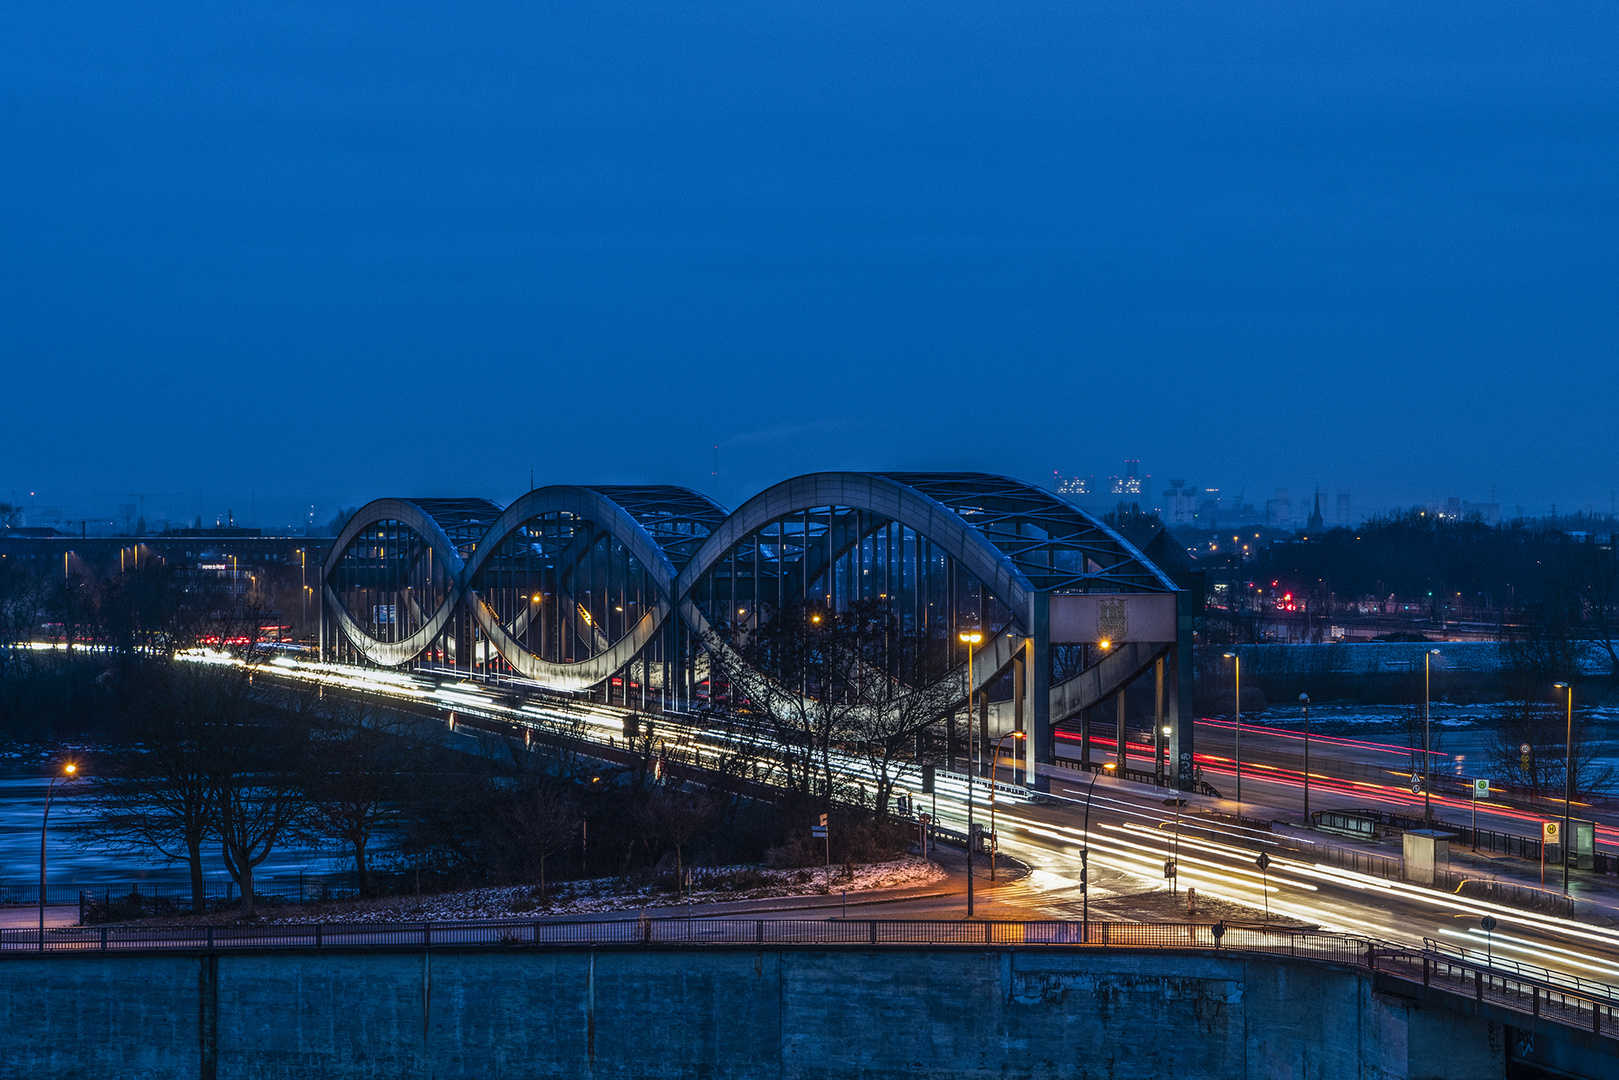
<point x="1236" y="662"/>
<point x="68" y="772"/>
<point x="1427" y="792"/>
<point x="970" y="638"/>
<point x="1305" y="699"/>
<point x="1085" y="857"/>
<point x="993" y="770"/>
<point x="1568" y="776"/>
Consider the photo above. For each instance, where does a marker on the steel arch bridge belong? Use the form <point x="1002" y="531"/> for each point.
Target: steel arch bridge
<point x="624" y="591"/>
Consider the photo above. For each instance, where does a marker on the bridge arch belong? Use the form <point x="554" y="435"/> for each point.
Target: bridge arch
<point x="624" y="590"/>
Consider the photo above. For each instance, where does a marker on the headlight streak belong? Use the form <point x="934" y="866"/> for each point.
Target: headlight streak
<point x="1135" y="860"/>
<point x="1518" y="944"/>
<point x="1241" y="884"/>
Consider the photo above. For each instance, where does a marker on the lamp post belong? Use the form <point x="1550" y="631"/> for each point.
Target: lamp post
<point x="1236" y="662"/>
<point x="994" y="767"/>
<point x="970" y="638"/>
<point x="1427" y="788"/>
<point x="68" y="772"/>
<point x="1305" y="700"/>
<point x="1568" y="776"/>
<point x="1085" y="856"/>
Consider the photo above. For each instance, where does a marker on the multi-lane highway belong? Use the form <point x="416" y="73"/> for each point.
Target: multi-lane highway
<point x="1350" y="773"/>
<point x="1131" y="834"/>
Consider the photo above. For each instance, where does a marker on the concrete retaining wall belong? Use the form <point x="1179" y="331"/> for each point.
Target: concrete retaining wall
<point x="794" y="1012"/>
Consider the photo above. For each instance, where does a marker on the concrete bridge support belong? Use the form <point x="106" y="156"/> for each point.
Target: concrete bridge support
<point x="775" y="1011"/>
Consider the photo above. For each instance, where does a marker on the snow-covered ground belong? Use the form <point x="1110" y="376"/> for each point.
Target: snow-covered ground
<point x="711" y="886"/>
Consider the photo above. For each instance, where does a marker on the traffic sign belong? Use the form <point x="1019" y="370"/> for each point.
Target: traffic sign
<point x="1481" y="789"/>
<point x="818" y="831"/>
<point x="1416" y="784"/>
<point x="1169" y="868"/>
<point x="1263" y="862"/>
<point x="1488" y="923"/>
<point x="1550" y="831"/>
<point x="1524" y="749"/>
<point x="823" y="821"/>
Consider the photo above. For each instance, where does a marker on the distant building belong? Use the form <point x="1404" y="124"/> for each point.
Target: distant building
<point x="1180" y="503"/>
<point x="1342" y="517"/>
<point x="1279" y="511"/>
<point x="1131" y="483"/>
<point x="1316" y="524"/>
<point x="1073" y="485"/>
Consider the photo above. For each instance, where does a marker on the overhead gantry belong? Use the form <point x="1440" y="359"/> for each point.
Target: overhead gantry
<point x="627" y="591"/>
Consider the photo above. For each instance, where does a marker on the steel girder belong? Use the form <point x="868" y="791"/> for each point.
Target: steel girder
<point x="1016" y="539"/>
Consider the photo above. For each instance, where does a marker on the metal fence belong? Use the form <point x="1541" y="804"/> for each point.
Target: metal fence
<point x="1553" y="996"/>
<point x="717" y="932"/>
<point x="283" y="888"/>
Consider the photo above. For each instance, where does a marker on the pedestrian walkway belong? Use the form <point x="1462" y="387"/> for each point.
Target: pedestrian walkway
<point x="19" y="917"/>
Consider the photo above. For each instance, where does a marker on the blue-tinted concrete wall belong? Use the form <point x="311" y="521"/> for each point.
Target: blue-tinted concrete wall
<point x="795" y="1013"/>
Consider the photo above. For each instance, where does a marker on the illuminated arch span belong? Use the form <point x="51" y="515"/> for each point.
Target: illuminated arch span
<point x="1016" y="539"/>
<point x="418" y="515"/>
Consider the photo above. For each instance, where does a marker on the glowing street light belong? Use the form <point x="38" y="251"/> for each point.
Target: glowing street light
<point x="1237" y="664"/>
<point x="1085" y="855"/>
<point x="969" y="638"/>
<point x="994" y="765"/>
<point x="1304" y="699"/>
<point x="69" y="771"/>
<point x="1568" y="777"/>
<point x="1427" y="800"/>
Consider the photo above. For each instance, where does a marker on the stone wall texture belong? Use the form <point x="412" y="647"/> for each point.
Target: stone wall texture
<point x="725" y="1013"/>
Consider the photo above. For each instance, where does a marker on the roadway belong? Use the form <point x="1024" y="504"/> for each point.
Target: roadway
<point x="1131" y="834"/>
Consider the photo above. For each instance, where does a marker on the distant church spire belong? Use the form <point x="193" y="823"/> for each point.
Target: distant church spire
<point x="1316" y="523"/>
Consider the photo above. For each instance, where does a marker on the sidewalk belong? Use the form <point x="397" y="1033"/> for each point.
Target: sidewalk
<point x="22" y="917"/>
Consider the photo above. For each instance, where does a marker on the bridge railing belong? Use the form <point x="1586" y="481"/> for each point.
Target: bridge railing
<point x="1594" y="1008"/>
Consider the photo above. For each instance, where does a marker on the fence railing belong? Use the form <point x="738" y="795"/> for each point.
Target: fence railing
<point x="1554" y="996"/>
<point x="285" y="888"/>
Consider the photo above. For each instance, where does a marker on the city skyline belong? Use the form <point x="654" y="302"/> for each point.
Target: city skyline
<point x="1282" y="505"/>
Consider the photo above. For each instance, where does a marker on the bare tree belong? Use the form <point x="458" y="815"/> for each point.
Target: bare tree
<point x="361" y="766"/>
<point x="1543" y="770"/>
<point x="545" y="816"/>
<point x="800" y="669"/>
<point x="1590" y="575"/>
<point x="255" y="779"/>
<point x="22" y="595"/>
<point x="152" y="791"/>
<point x="898" y="696"/>
<point x="675" y="816"/>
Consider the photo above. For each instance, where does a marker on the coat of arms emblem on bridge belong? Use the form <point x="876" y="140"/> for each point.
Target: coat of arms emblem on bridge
<point x="1113" y="619"/>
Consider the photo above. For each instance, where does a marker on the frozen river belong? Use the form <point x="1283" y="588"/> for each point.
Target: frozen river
<point x="22" y="801"/>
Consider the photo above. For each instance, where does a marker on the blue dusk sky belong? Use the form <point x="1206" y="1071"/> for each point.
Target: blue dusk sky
<point x="274" y="255"/>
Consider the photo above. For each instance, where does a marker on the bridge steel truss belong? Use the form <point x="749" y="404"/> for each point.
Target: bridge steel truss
<point x="625" y="591"/>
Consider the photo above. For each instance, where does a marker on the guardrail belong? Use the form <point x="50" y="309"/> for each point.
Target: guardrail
<point x="1549" y="995"/>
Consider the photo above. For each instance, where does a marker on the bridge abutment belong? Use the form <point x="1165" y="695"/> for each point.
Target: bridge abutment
<point x="780" y="1011"/>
